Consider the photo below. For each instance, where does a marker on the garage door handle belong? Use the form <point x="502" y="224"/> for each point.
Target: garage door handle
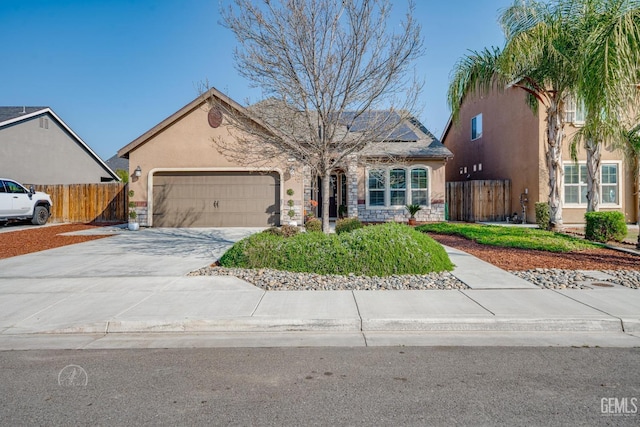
<point x="215" y="204"/>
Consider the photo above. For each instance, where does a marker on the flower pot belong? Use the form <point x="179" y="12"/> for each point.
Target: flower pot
<point x="134" y="226"/>
<point x="412" y="221"/>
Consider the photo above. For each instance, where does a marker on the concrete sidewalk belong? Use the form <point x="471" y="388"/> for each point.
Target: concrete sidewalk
<point x="66" y="298"/>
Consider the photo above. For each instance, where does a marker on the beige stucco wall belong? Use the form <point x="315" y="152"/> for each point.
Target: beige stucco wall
<point x="508" y="148"/>
<point x="33" y="154"/>
<point x="187" y="144"/>
<point x="513" y="146"/>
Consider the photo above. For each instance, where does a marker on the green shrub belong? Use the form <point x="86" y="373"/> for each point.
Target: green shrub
<point x="284" y="231"/>
<point x="605" y="226"/>
<point x="313" y="225"/>
<point x="289" y="230"/>
<point x="543" y="216"/>
<point x="274" y="231"/>
<point x="380" y="250"/>
<point x="347" y="225"/>
<point x="259" y="248"/>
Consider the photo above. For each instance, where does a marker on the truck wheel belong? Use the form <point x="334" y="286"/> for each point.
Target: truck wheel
<point x="40" y="216"/>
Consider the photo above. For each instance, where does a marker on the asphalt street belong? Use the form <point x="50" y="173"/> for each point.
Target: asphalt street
<point x="322" y="386"/>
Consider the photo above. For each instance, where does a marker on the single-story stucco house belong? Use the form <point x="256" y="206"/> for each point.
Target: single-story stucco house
<point x="179" y="179"/>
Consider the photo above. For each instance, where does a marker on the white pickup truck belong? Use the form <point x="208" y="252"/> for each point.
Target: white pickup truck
<point x="18" y="203"/>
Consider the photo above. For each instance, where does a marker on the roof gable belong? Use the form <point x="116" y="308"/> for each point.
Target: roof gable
<point x="213" y="92"/>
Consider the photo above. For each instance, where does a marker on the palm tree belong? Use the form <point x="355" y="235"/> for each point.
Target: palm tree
<point x="538" y="57"/>
<point x="632" y="153"/>
<point x="609" y="34"/>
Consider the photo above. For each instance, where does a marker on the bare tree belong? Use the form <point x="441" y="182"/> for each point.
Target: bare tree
<point x="331" y="72"/>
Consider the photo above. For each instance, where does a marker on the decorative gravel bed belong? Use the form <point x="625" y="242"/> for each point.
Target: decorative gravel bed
<point x="274" y="280"/>
<point x="549" y="278"/>
<point x="554" y="278"/>
<point x="630" y="278"/>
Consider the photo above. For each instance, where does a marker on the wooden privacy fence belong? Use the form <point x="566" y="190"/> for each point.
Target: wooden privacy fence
<point x="101" y="203"/>
<point x="486" y="200"/>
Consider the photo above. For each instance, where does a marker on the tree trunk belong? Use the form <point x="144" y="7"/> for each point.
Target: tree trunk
<point x="555" y="136"/>
<point x="637" y="191"/>
<point x="326" y="183"/>
<point x="594" y="154"/>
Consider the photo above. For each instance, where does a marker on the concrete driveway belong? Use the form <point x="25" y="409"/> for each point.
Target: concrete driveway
<point x="148" y="252"/>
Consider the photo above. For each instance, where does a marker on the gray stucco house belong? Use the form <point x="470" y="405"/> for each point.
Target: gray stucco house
<point x="37" y="147"/>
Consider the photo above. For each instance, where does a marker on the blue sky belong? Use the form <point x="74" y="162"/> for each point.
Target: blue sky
<point x="113" y="69"/>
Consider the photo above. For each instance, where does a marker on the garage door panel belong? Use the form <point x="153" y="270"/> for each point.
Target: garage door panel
<point x="216" y="199"/>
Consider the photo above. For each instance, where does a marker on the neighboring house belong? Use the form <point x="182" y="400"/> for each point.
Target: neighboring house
<point x="184" y="181"/>
<point x="37" y="147"/>
<point x="499" y="137"/>
<point x="116" y="163"/>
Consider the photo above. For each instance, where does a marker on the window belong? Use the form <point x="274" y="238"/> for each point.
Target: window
<point x="419" y="186"/>
<point x="12" y="187"/>
<point x="405" y="186"/>
<point x="575" y="184"/>
<point x="609" y="184"/>
<point x="398" y="184"/>
<point x="573" y="111"/>
<point x="476" y="127"/>
<point x="376" y="186"/>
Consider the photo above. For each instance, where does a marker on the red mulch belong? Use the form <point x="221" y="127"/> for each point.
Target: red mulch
<point x="25" y="241"/>
<point x="526" y="259"/>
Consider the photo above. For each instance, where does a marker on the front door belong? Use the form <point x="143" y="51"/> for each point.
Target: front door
<point x="337" y="194"/>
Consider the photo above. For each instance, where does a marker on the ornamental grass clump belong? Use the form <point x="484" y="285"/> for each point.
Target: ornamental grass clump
<point x="381" y="250"/>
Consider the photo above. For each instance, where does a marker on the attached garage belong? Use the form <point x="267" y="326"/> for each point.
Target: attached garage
<point x="216" y="199"/>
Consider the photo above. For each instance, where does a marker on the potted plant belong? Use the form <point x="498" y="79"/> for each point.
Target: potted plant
<point x="413" y="209"/>
<point x="133" y="215"/>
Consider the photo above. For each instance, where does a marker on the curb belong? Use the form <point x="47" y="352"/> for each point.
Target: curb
<point x="494" y="325"/>
<point x="604" y="324"/>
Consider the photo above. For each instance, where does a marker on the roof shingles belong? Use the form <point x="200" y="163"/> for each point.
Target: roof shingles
<point x="8" y="113"/>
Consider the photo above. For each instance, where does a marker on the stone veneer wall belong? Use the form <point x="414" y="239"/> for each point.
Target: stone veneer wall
<point x="433" y="213"/>
<point x="143" y="214"/>
<point x="352" y="188"/>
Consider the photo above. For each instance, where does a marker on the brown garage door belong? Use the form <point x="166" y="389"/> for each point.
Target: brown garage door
<point x="216" y="199"/>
